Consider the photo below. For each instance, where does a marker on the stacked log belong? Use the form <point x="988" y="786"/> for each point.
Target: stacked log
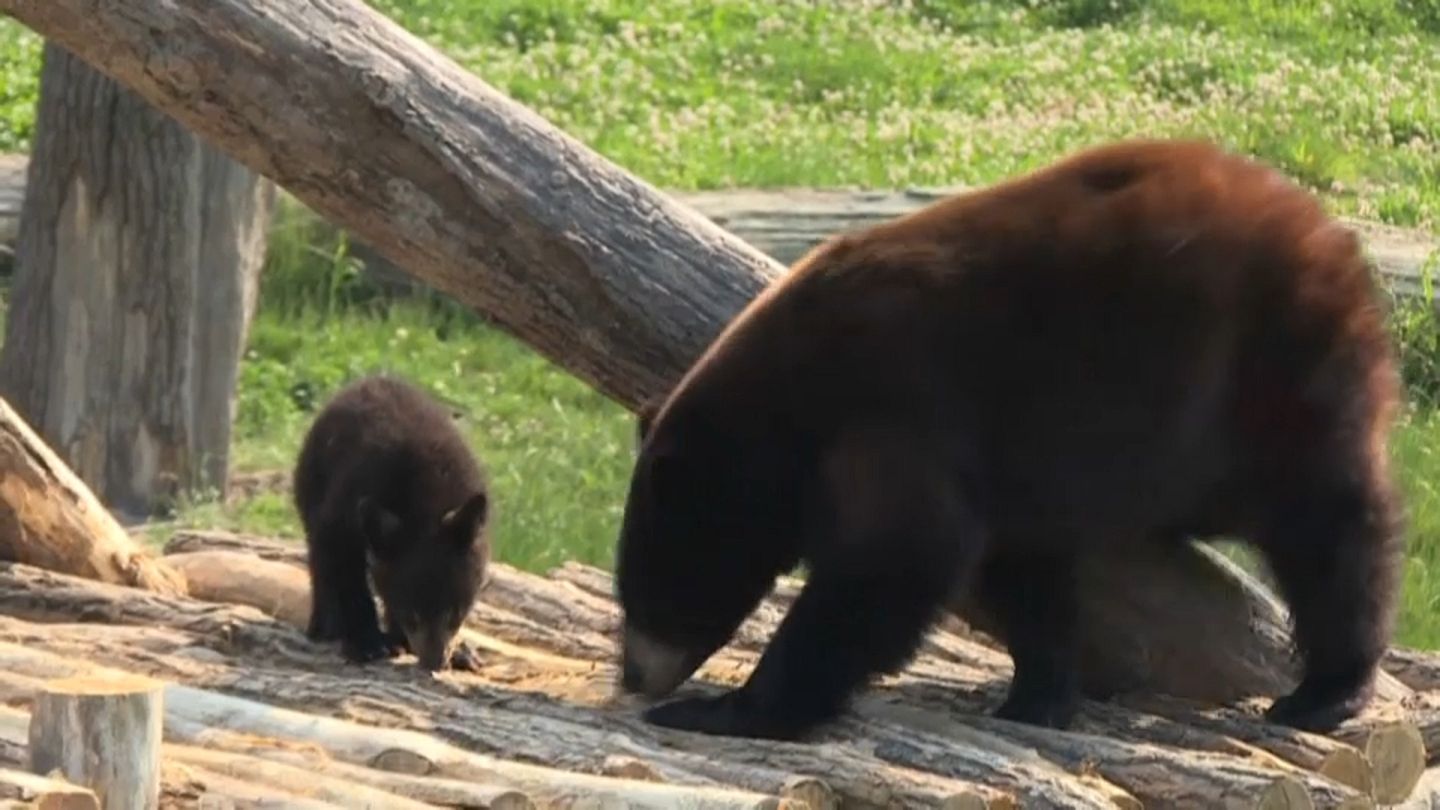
<point x="540" y="725"/>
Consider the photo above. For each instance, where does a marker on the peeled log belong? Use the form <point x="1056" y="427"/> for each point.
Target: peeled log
<point x="291" y="773"/>
<point x="393" y="749"/>
<point x="44" y="793"/>
<point x="50" y="519"/>
<point x="917" y="733"/>
<point x="232" y="577"/>
<point x="102" y="733"/>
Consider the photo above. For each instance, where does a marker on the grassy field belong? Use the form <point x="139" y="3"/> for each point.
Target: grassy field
<point x="1343" y="95"/>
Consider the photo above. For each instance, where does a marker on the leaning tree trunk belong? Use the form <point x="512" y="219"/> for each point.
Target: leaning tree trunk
<point x="136" y="264"/>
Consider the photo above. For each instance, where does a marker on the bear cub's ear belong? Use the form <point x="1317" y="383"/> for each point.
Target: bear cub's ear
<point x="379" y="525"/>
<point x="464" y="521"/>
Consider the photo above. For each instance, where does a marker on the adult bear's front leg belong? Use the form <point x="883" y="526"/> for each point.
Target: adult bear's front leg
<point x="894" y="554"/>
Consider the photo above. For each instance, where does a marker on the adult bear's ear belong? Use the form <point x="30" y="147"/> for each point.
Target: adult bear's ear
<point x="645" y="417"/>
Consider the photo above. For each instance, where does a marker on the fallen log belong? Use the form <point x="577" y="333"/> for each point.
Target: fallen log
<point x="1253" y="634"/>
<point x="217" y="760"/>
<point x="424" y="790"/>
<point x="386" y="749"/>
<point x="101" y="733"/>
<point x="44" y="793"/>
<point x="232" y="577"/>
<point x="578" y="725"/>
<point x="49" y="518"/>
<point x="522" y="726"/>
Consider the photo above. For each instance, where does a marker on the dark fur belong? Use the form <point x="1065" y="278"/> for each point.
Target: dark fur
<point x="1142" y="343"/>
<point x="389" y="492"/>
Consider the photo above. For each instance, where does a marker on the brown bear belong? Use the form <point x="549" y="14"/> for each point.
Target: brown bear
<point x="1142" y="342"/>
<point x="389" y="493"/>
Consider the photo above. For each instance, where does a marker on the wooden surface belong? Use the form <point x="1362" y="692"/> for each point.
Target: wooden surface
<point x="101" y="732"/>
<point x="545" y="695"/>
<point x="49" y="518"/>
<point x="44" y="793"/>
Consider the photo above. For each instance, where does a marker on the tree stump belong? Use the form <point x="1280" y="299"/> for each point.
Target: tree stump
<point x="103" y="734"/>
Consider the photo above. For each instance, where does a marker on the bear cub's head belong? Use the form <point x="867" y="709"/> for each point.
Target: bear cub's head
<point x="427" y="570"/>
<point x="710" y="521"/>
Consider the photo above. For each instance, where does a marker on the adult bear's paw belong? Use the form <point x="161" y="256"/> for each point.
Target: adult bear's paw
<point x="729" y="715"/>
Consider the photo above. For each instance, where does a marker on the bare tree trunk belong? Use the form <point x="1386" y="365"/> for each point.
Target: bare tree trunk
<point x="235" y="214"/>
<point x="135" y="269"/>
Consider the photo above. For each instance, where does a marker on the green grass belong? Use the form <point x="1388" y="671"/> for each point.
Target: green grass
<point x="1344" y="95"/>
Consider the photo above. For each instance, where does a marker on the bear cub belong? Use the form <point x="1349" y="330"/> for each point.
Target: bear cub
<point x="390" y="494"/>
<point x="1141" y="342"/>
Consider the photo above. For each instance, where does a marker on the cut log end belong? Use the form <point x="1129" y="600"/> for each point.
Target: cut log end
<point x="1285" y="794"/>
<point x="815" y="793"/>
<point x="1349" y="767"/>
<point x="511" y="800"/>
<point x="103" y="733"/>
<point x="1397" y="759"/>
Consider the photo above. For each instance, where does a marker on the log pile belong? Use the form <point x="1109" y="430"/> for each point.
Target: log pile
<point x="254" y="713"/>
<point x="218" y="618"/>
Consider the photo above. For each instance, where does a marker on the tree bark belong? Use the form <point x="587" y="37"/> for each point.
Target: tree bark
<point x="136" y="265"/>
<point x="50" y="519"/>
<point x="102" y="733"/>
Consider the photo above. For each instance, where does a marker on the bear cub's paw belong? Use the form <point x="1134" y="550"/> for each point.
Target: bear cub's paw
<point x="729" y="715"/>
<point x="367" y="648"/>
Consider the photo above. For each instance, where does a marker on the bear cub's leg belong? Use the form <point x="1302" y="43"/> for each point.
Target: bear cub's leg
<point x="1033" y="597"/>
<point x="1334" y="547"/>
<point x="342" y="606"/>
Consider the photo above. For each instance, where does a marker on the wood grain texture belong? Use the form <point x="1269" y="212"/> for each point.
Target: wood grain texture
<point x="49" y="518"/>
<point x="102" y="733"/>
<point x="44" y="793"/>
<point x="138" y="254"/>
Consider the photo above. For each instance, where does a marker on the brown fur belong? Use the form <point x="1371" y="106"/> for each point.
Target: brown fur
<point x="1143" y="342"/>
<point x="390" y="494"/>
